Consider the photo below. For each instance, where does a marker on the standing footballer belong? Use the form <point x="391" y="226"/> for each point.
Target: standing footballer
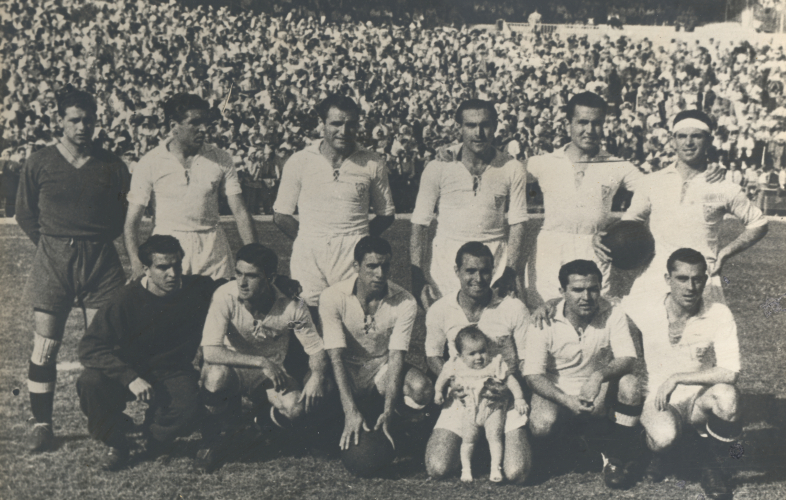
<point x="332" y="185"/>
<point x="183" y="177"/>
<point x="71" y="203"/>
<point x="468" y="190"/>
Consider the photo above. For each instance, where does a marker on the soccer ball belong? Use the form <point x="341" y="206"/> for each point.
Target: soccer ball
<point x="630" y="243"/>
<point x="372" y="453"/>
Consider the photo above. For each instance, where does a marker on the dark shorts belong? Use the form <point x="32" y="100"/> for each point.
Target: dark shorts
<point x="70" y="271"/>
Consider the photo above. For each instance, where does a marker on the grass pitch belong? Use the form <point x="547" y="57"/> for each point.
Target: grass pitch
<point x="293" y="469"/>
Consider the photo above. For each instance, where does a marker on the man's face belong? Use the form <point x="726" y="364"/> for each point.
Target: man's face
<point x="341" y="128"/>
<point x="475" y="275"/>
<point x="164" y="273"/>
<point x="78" y="126"/>
<point x="251" y="281"/>
<point x="191" y="132"/>
<point x="474" y="353"/>
<point x="477" y="129"/>
<point x="692" y="144"/>
<point x="581" y="295"/>
<point x="687" y="282"/>
<point x="374" y="271"/>
<point x="586" y="128"/>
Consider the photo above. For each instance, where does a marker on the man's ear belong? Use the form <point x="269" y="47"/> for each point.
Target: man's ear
<point x="356" y="266"/>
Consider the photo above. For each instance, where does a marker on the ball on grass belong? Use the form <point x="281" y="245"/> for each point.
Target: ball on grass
<point x="372" y="453"/>
<point x="630" y="243"/>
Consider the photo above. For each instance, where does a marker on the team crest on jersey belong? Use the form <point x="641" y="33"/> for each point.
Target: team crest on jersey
<point x="712" y="212"/>
<point x="701" y="352"/>
<point x="361" y="188"/>
<point x="499" y="201"/>
<point x="605" y="191"/>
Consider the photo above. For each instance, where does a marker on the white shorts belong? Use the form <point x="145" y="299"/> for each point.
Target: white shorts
<point x="455" y="414"/>
<point x="318" y="263"/>
<point x="443" y="262"/>
<point x="251" y="378"/>
<point x="367" y="377"/>
<point x="556" y="249"/>
<point x="207" y="253"/>
<point x="652" y="283"/>
<point x="682" y="399"/>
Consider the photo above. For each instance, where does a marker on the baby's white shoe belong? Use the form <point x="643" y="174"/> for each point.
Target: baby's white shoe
<point x="466" y="476"/>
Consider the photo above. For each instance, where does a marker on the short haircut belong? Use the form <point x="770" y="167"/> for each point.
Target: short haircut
<point x="338" y="101"/>
<point x="177" y="107"/>
<point x="688" y="256"/>
<point x="586" y="99"/>
<point x="163" y="244"/>
<point x="371" y="244"/>
<point x="472" y="104"/>
<point x="579" y="267"/>
<point x="77" y="99"/>
<point x="475" y="249"/>
<point x="471" y="332"/>
<point x="260" y="257"/>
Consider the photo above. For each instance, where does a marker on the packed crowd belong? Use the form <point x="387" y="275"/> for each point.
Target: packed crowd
<point x="263" y="75"/>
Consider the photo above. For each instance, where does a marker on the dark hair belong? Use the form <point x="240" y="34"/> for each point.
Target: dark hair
<point x="338" y="101"/>
<point x="586" y="99"/>
<point x="471" y="104"/>
<point x="688" y="256"/>
<point x="475" y="249"/>
<point x="77" y="99"/>
<point x="260" y="257"/>
<point x="471" y="332"/>
<point x="579" y="267"/>
<point x="161" y="244"/>
<point x="371" y="244"/>
<point x="179" y="105"/>
<point x="696" y="115"/>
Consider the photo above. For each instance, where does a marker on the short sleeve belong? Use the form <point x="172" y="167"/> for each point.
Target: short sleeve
<point x="631" y="178"/>
<point x="381" y="196"/>
<point x="435" y="333"/>
<point x="533" y="168"/>
<point x="536" y="352"/>
<point x="305" y="331"/>
<point x="519" y="326"/>
<point x="517" y="211"/>
<point x="405" y="320"/>
<point x="640" y="206"/>
<point x="289" y="189"/>
<point x="619" y="335"/>
<point x="742" y="208"/>
<point x="219" y="315"/>
<point x="230" y="183"/>
<point x="428" y="195"/>
<point x="330" y="305"/>
<point x="141" y="188"/>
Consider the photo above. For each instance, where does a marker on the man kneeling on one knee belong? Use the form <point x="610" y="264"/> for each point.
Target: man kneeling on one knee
<point x="687" y="384"/>
<point x="245" y="341"/>
<point x="581" y="364"/>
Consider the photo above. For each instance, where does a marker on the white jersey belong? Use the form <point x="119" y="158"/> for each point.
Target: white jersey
<point x="577" y="197"/>
<point x="472" y="208"/>
<point x="366" y="338"/>
<point x="231" y="325"/>
<point x="501" y="319"/>
<point x="569" y="359"/>
<point x="184" y="199"/>
<point x="688" y="214"/>
<point x="334" y="202"/>
<point x="713" y="329"/>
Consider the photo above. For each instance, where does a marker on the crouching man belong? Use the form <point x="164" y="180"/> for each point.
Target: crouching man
<point x="693" y="361"/>
<point x="141" y="346"/>
<point x="245" y="341"/>
<point x="579" y="366"/>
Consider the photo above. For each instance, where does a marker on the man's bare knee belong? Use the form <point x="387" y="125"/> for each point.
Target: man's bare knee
<point x="662" y="429"/>
<point x="216" y="377"/>
<point x="542" y="424"/>
<point x="419" y="387"/>
<point x="725" y="401"/>
<point x="630" y="391"/>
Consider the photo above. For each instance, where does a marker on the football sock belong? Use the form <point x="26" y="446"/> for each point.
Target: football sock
<point x="722" y="436"/>
<point x="41" y="386"/>
<point x="626" y="433"/>
<point x="216" y="404"/>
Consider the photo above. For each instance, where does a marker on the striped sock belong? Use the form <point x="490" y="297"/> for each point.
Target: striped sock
<point x="41" y="385"/>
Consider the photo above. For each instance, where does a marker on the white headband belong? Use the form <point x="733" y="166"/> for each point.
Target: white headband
<point x="690" y="123"/>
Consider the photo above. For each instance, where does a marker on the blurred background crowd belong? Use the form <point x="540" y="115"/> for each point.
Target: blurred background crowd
<point x="264" y="73"/>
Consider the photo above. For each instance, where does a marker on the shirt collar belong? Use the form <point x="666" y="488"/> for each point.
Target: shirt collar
<point x="603" y="306"/>
<point x="348" y="287"/>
